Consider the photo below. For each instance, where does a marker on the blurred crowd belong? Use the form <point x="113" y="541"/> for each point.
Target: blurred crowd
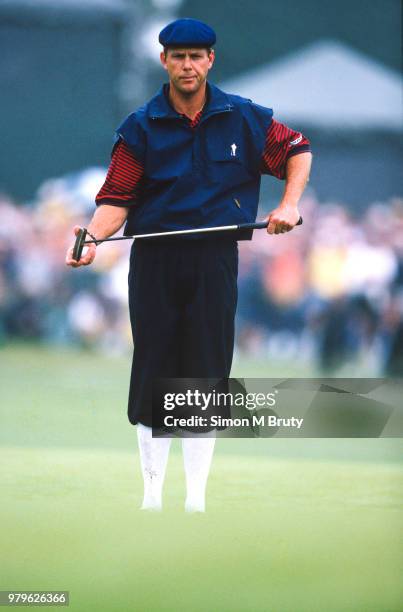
<point x="329" y="293"/>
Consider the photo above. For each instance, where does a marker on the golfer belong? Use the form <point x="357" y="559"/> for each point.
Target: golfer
<point x="192" y="157"/>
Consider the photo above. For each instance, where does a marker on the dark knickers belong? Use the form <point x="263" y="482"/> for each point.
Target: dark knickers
<point x="182" y="300"/>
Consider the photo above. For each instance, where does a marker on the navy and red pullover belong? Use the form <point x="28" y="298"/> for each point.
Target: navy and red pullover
<point x="125" y="172"/>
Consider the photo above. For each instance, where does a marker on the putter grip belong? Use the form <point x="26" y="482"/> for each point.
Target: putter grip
<point x="262" y="224"/>
<point x="79" y="244"/>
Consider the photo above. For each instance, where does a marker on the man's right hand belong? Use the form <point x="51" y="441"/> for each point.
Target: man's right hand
<point x="87" y="257"/>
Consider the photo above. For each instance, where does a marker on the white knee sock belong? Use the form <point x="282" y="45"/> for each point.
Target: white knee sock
<point x="197" y="456"/>
<point x="153" y="457"/>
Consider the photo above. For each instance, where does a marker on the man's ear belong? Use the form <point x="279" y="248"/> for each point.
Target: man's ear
<point x="163" y="59"/>
<point x="211" y="58"/>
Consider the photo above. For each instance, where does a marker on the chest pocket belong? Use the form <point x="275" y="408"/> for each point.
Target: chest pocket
<point x="228" y="163"/>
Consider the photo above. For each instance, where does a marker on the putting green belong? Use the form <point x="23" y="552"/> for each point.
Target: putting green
<point x="278" y="534"/>
<point x="291" y="525"/>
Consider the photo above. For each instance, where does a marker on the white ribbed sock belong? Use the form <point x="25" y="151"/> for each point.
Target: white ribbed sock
<point x="197" y="456"/>
<point x="154" y="458"/>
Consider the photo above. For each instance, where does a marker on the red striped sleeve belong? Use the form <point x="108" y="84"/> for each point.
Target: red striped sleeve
<point x="123" y="179"/>
<point x="281" y="143"/>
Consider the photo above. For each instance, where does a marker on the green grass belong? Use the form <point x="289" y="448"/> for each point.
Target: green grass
<point x="291" y="525"/>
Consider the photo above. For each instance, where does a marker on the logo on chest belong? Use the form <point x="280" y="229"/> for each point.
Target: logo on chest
<point x="233" y="150"/>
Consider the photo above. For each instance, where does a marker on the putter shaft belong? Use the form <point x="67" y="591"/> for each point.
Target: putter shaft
<point x="81" y="237"/>
<point x="204" y="230"/>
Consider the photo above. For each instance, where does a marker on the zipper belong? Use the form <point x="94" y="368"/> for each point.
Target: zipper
<point x="216" y="112"/>
<point x="204" y="117"/>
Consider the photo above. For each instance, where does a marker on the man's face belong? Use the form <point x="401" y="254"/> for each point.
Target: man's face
<point x="187" y="68"/>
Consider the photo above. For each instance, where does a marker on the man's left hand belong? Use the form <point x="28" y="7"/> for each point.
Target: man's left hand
<point x="282" y="219"/>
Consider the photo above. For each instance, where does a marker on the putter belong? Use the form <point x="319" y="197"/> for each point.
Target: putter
<point x="82" y="234"/>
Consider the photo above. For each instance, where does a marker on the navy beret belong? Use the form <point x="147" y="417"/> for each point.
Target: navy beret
<point x="187" y="33"/>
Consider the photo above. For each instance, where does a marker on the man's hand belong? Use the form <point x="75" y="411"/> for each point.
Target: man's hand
<point x="106" y="221"/>
<point x="286" y="215"/>
<point x="282" y="219"/>
<point x="87" y="257"/>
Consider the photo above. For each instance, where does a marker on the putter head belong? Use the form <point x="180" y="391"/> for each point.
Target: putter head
<point x="79" y="244"/>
